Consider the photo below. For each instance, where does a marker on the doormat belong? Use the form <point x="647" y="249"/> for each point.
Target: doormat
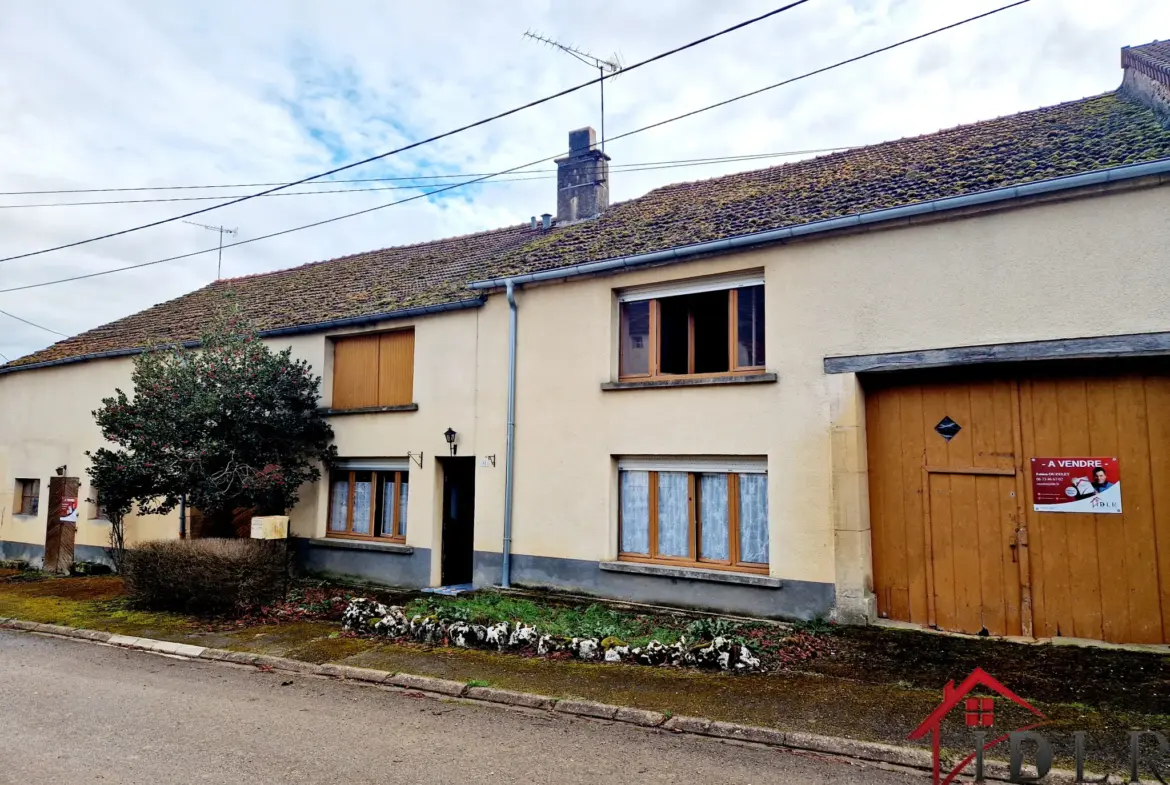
<point x="451" y="591"/>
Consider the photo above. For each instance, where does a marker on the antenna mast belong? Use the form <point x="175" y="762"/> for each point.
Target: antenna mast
<point x="613" y="65"/>
<point x="222" y="231"/>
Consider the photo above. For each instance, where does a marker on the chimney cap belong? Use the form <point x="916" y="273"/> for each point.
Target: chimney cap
<point x="582" y="140"/>
<point x="546" y="220"/>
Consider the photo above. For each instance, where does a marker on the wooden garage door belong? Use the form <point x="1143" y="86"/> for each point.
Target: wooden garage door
<point x="956" y="544"/>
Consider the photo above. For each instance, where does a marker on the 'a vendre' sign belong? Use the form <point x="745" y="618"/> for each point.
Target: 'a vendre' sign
<point x="1091" y="485"/>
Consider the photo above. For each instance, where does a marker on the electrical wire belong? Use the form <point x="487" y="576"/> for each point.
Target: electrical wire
<point x="33" y="324"/>
<point x="417" y="186"/>
<point x="420" y="143"/>
<point x="839" y="64"/>
<point x="679" y="161"/>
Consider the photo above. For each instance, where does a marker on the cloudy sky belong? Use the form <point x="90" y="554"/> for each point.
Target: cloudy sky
<point x="107" y="94"/>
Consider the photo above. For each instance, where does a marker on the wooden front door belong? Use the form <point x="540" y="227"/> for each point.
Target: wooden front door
<point x="945" y="510"/>
<point x="61" y="528"/>
<point x="956" y="542"/>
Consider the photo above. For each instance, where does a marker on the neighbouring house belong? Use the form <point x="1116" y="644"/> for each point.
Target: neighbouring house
<point x="829" y="387"/>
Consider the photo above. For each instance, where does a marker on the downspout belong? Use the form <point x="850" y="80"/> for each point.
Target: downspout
<point x="510" y="447"/>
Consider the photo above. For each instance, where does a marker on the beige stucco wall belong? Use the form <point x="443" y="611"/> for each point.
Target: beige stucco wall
<point x="1085" y="267"/>
<point x="1067" y="269"/>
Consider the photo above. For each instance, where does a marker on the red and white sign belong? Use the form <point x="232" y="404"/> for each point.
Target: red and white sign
<point x="1076" y="485"/>
<point x="69" y="509"/>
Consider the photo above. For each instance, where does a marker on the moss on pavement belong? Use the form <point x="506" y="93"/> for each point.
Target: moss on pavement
<point x="878" y="689"/>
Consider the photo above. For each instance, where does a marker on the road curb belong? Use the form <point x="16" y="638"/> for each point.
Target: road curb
<point x="872" y="752"/>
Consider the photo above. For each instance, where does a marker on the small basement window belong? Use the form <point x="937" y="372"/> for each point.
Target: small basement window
<point x="697" y="516"/>
<point x="27" y="497"/>
<point x="368" y="504"/>
<point x="706" y="333"/>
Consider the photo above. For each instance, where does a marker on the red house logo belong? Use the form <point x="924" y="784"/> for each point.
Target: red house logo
<point x="978" y="712"/>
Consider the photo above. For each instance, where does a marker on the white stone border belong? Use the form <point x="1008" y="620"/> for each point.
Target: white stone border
<point x="909" y="757"/>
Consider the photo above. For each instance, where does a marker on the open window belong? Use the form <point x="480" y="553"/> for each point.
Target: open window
<point x="702" y="329"/>
<point x="706" y="513"/>
<point x="368" y="503"/>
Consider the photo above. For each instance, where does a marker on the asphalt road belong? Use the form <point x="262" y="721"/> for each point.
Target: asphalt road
<point x="76" y="712"/>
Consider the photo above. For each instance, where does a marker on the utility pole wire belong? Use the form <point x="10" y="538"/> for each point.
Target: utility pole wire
<point x="418" y="186"/>
<point x="33" y="324"/>
<point x="839" y="64"/>
<point x="678" y="162"/>
<point x="420" y="143"/>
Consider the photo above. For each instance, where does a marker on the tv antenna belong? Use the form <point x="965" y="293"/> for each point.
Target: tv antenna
<point x="613" y="66"/>
<point x="222" y="231"/>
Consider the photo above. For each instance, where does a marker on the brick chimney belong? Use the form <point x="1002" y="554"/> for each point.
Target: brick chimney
<point x="582" y="178"/>
<point x="1147" y="77"/>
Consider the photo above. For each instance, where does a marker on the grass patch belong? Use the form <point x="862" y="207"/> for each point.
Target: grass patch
<point x="479" y="683"/>
<point x="591" y="621"/>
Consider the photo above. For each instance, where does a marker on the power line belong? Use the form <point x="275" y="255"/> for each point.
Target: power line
<point x="531" y="163"/>
<point x="33" y="324"/>
<point x="417" y="186"/>
<point x="400" y="178"/>
<point x="5" y="356"/>
<point x="413" y="145"/>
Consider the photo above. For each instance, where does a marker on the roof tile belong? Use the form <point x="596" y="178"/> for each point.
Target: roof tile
<point x="1070" y="138"/>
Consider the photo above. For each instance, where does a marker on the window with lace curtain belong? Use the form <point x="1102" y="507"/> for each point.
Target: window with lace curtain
<point x="368" y="504"/>
<point x="708" y="513"/>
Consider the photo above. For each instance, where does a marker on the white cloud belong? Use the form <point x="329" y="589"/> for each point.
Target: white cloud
<point x="106" y="94"/>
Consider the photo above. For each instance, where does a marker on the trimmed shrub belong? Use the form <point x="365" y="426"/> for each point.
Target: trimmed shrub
<point x="206" y="576"/>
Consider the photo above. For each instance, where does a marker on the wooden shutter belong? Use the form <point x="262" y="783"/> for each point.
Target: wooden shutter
<point x="355" y="372"/>
<point x="396" y="368"/>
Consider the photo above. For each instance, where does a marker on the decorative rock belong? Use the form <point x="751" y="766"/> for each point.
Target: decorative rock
<point x="498" y="635"/>
<point x="523" y="635"/>
<point x="368" y="616"/>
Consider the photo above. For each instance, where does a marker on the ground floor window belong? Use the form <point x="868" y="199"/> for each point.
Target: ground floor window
<point x="715" y="519"/>
<point x="27" y="497"/>
<point x="368" y="504"/>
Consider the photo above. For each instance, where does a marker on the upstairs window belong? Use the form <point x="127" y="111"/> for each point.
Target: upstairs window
<point x="373" y="370"/>
<point x="368" y="504"/>
<point x="714" y="328"/>
<point x="27" y="497"/>
<point x="698" y="513"/>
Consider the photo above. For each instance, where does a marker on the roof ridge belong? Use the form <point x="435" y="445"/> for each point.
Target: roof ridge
<point x="874" y="146"/>
<point x="420" y="244"/>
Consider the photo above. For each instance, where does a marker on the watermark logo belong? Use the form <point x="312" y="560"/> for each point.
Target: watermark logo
<point x="979" y="715"/>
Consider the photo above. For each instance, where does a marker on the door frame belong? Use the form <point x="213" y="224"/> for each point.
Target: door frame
<point x="462" y="469"/>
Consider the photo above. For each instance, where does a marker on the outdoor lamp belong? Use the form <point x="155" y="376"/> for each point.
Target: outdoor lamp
<point x="450" y="437"/>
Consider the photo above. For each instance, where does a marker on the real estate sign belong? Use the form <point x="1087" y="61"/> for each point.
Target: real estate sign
<point x="1075" y="484"/>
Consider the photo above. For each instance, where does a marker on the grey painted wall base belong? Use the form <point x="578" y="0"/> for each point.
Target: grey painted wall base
<point x="792" y="600"/>
<point x="389" y="568"/>
<point x="30" y="552"/>
<point x="35" y="554"/>
<point x="92" y="553"/>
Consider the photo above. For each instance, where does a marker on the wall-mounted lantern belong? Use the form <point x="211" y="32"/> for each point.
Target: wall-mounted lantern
<point x="449" y="435"/>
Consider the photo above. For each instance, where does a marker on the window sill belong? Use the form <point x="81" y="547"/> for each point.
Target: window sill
<point x="692" y="574"/>
<point x="406" y="407"/>
<point x="345" y="544"/>
<point x="683" y="381"/>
